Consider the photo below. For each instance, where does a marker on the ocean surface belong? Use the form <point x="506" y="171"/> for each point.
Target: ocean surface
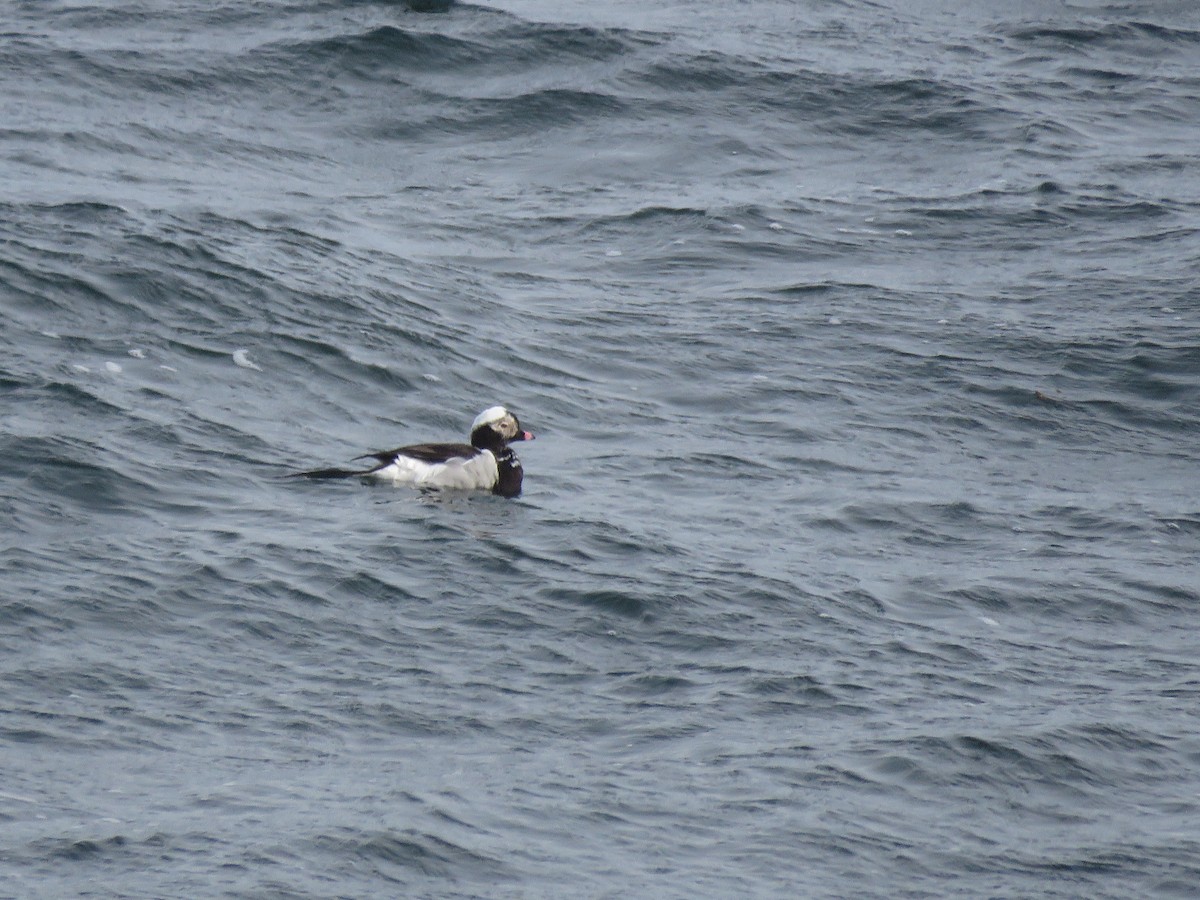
<point x="858" y="552"/>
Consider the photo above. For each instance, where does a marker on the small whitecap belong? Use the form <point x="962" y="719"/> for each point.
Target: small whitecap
<point x="51" y="334"/>
<point x="902" y="232"/>
<point x="242" y="358"/>
<point x="169" y="368"/>
<point x="137" y="354"/>
<point x="736" y="227"/>
<point x="613" y="253"/>
<point x="988" y="620"/>
<point x="834" y="320"/>
<point x="775" y="226"/>
<point x="678" y="242"/>
<point x="1168" y="309"/>
<point x="78" y="368"/>
<point x="429" y="376"/>
<point x="943" y="321"/>
<point x="760" y="378"/>
<point x="113" y="367"/>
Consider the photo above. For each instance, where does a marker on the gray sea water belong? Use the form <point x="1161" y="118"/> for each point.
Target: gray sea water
<point x="858" y="548"/>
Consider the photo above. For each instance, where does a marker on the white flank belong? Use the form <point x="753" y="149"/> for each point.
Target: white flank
<point x="477" y="473"/>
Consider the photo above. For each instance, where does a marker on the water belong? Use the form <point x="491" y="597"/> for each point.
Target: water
<point x="857" y="549"/>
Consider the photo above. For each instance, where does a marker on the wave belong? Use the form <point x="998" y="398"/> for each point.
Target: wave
<point x="498" y="47"/>
<point x="1133" y="36"/>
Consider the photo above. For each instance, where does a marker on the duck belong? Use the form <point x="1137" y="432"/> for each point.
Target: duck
<point x="487" y="463"/>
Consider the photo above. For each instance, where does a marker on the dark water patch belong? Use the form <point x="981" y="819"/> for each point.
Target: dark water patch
<point x="852" y="104"/>
<point x="66" y="397"/>
<point x="1137" y="386"/>
<point x="85" y="18"/>
<point x="156" y="271"/>
<point x="1166" y="597"/>
<point x="726" y="466"/>
<point x="542" y="42"/>
<point x="819" y="289"/>
<point x="501" y="50"/>
<point x="22" y="735"/>
<point x="658" y="220"/>
<point x="929" y="762"/>
<point x="503" y="118"/>
<point x="795" y="689"/>
<point x="21" y="613"/>
<point x="65" y="219"/>
<point x="985" y="217"/>
<point x="80" y="850"/>
<point x="505" y="621"/>
<point x="1187" y="524"/>
<point x="111" y="72"/>
<point x="626" y="604"/>
<point x="328" y="359"/>
<point x="398" y="856"/>
<point x="1091" y="596"/>
<point x="382" y="588"/>
<point x="387" y="47"/>
<point x="78" y="475"/>
<point x="1121" y="742"/>
<point x="1104" y="76"/>
<point x="1039" y="759"/>
<point x="937" y="107"/>
<point x="1127" y="209"/>
<point x="1131" y="867"/>
<point x="659" y="688"/>
<point x="1137" y="37"/>
<point x="1085" y="522"/>
<point x="709" y="72"/>
<point x="40" y="289"/>
<point x="427" y="6"/>
<point x="955" y="523"/>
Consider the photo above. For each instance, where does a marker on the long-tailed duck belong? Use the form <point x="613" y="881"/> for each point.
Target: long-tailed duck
<point x="487" y="463"/>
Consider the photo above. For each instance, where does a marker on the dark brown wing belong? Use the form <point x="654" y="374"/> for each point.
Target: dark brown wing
<point x="430" y="453"/>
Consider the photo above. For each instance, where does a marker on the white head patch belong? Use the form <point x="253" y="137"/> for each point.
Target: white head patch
<point x="488" y="416"/>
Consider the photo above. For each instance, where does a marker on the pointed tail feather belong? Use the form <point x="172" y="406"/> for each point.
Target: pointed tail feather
<point x="330" y="473"/>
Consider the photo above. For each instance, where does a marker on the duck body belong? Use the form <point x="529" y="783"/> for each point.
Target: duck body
<point x="488" y="463"/>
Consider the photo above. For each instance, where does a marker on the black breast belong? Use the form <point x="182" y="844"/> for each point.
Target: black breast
<point x="509" y="467"/>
